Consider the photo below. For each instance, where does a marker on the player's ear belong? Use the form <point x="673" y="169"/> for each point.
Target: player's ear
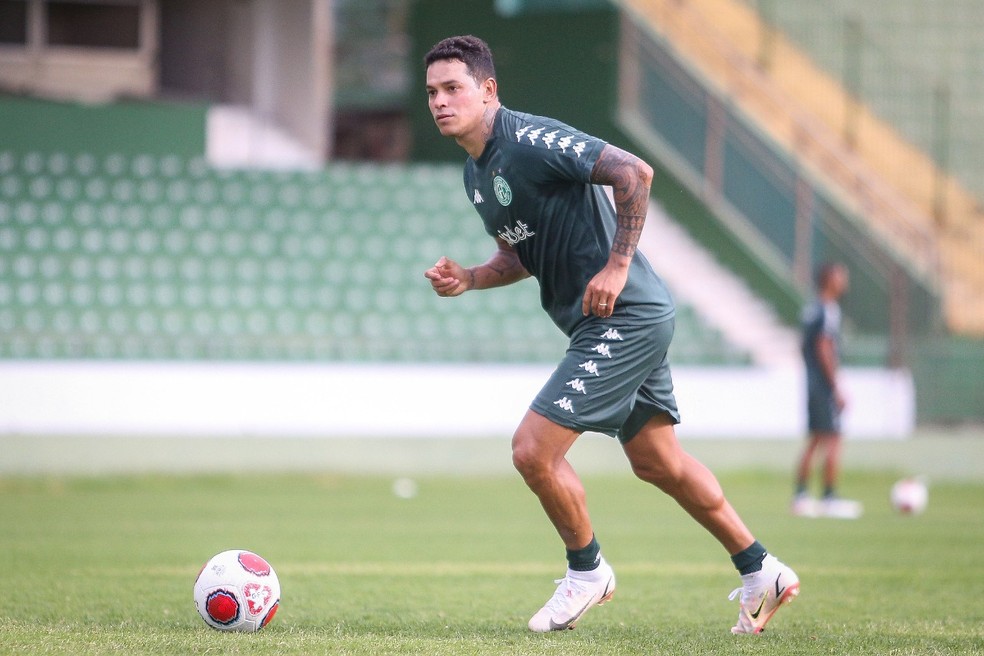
<point x="490" y="89"/>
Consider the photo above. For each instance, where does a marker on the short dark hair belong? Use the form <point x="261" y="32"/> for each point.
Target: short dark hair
<point x="469" y="49"/>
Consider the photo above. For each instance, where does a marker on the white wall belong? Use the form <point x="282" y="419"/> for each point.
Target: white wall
<point x="290" y="400"/>
<point x="290" y="66"/>
<point x="278" y="87"/>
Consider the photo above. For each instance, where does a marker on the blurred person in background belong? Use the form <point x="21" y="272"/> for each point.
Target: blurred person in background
<point x="825" y="400"/>
<point x="537" y="185"/>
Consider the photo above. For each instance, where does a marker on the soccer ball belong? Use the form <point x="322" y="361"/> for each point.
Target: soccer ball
<point x="237" y="590"/>
<point x="909" y="496"/>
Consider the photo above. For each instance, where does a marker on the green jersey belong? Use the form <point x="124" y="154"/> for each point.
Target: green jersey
<point x="532" y="188"/>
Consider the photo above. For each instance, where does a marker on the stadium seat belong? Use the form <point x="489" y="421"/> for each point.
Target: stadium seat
<point x="164" y="258"/>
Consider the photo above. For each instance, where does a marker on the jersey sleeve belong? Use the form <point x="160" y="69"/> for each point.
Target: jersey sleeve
<point x="558" y="151"/>
<point x="830" y="327"/>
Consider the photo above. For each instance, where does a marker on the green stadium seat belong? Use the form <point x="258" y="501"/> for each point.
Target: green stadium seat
<point x="146" y="257"/>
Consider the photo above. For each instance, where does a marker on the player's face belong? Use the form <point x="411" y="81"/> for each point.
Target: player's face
<point x="842" y="280"/>
<point x="457" y="102"/>
<point x="839" y="281"/>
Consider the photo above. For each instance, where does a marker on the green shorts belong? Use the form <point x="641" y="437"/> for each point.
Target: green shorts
<point x="614" y="378"/>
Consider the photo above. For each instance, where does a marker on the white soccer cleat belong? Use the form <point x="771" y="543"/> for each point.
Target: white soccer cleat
<point x="577" y="592"/>
<point x="805" y="506"/>
<point x="762" y="593"/>
<point x="840" y="508"/>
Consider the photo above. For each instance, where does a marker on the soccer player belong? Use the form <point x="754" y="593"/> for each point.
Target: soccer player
<point x="824" y="399"/>
<point x="537" y="184"/>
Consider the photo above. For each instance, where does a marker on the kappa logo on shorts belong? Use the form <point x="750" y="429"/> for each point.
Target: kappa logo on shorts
<point x="565" y="404"/>
<point x="590" y="367"/>
<point x="611" y="334"/>
<point x="577" y="385"/>
<point x="602" y="349"/>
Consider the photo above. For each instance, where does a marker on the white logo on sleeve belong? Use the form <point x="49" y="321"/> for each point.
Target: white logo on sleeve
<point x="534" y="135"/>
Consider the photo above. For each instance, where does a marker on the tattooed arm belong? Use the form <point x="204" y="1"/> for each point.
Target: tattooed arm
<point x="629" y="178"/>
<point x="448" y="278"/>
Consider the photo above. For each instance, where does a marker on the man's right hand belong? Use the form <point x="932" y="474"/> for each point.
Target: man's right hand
<point x="448" y="278"/>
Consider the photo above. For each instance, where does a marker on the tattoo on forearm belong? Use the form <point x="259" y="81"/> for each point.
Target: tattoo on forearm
<point x="620" y="169"/>
<point x="498" y="268"/>
<point x="627" y="232"/>
<point x="503" y="268"/>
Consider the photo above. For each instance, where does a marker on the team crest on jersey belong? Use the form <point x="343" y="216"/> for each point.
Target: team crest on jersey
<point x="502" y="191"/>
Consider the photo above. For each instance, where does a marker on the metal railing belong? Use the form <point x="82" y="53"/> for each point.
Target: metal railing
<point x="823" y="157"/>
<point x="789" y="190"/>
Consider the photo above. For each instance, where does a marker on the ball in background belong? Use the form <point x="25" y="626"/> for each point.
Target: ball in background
<point x="237" y="590"/>
<point x="910" y="496"/>
<point x="405" y="488"/>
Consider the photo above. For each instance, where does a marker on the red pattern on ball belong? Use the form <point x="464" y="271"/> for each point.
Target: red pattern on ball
<point x="222" y="607"/>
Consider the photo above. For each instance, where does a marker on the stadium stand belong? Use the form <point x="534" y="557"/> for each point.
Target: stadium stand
<point x="929" y="96"/>
<point x="917" y="63"/>
<point x="162" y="257"/>
<point x="925" y="217"/>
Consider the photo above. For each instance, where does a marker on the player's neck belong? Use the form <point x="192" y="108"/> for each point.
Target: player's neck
<point x="476" y="146"/>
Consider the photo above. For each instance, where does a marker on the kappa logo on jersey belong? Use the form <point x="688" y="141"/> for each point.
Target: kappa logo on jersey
<point x="564" y="143"/>
<point x="503" y="193"/>
<point x="529" y="132"/>
<point x="577" y="385"/>
<point x="611" y="334"/>
<point x="477" y="200"/>
<point x="513" y="236"/>
<point x="602" y="349"/>
<point x="565" y="404"/>
<point x="590" y="367"/>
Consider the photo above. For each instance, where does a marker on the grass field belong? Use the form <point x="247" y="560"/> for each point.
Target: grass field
<point x="105" y="564"/>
